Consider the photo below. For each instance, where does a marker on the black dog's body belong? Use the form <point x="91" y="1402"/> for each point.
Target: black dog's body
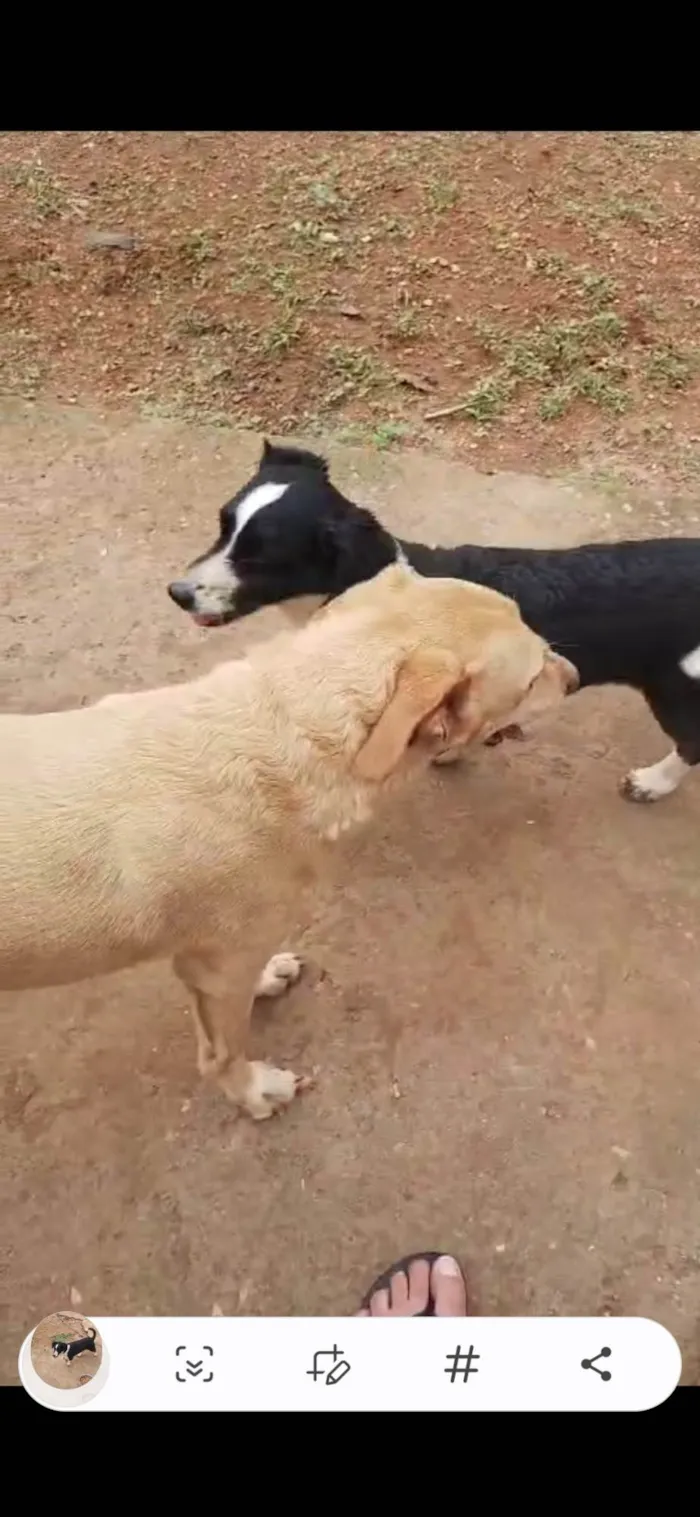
<point x="78" y="1346"/>
<point x="624" y="613"/>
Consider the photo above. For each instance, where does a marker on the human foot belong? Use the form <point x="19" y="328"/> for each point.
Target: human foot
<point x="422" y="1285"/>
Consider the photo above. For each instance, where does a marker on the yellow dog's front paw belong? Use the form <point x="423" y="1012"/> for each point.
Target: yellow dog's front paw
<point x="270" y="1089"/>
<point x="281" y="971"/>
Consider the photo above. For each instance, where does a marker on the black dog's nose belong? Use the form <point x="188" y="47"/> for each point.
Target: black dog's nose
<point x="182" y="594"/>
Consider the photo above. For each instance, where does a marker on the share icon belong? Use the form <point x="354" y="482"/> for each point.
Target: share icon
<point x="590" y="1364"/>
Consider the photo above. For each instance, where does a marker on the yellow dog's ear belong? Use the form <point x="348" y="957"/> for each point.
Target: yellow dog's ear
<point x="424" y="680"/>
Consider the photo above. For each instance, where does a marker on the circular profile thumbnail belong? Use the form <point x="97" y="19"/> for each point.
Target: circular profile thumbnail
<point x="63" y="1363"/>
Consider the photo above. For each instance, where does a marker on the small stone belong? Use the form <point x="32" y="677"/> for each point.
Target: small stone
<point x="217" y="1311"/>
<point x="75" y="1296"/>
<point x="622" y="1153"/>
<point x="500" y="1248"/>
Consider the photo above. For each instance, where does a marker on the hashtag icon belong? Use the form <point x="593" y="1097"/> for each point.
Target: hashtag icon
<point x="461" y="1363"/>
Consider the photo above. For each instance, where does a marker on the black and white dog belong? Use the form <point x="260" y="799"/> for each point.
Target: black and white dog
<point x="624" y="613"/>
<point x="78" y="1346"/>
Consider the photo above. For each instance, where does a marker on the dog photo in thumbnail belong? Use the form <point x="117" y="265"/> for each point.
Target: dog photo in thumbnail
<point x="66" y="1350"/>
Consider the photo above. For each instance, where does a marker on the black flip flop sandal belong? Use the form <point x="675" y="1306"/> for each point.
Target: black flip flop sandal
<point x="383" y="1281"/>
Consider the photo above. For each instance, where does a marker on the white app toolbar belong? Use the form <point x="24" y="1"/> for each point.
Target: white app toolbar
<point x="331" y="1364"/>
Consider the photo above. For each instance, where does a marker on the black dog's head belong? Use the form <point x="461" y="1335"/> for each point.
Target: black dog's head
<point x="288" y="537"/>
<point x="58" y="1347"/>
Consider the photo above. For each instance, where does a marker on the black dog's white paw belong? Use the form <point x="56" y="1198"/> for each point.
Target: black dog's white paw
<point x="633" y="788"/>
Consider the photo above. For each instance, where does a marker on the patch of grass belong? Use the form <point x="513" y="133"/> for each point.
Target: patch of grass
<point x="442" y="195"/>
<point x="488" y="399"/>
<point x="248" y="276"/>
<point x="551" y="350"/>
<point x="387" y="432"/>
<point x="282" y="279"/>
<point x="325" y="194"/>
<point x="616" y="207"/>
<point x="388" y="226"/>
<point x="669" y="368"/>
<point x="355" y="371"/>
<point x="564" y="359"/>
<point x="208" y="383"/>
<point x="625" y="208"/>
<point x="22" y="370"/>
<point x="34" y="271"/>
<point x="199" y="324"/>
<point x="597" y="288"/>
<point x="554" y="403"/>
<point x="551" y="264"/>
<point x="601" y="388"/>
<point x="380" y="435"/>
<point x="44" y="188"/>
<point x="281" y="334"/>
<point x="287" y="327"/>
<point x="322" y="190"/>
<point x="406" y="324"/>
<point x="354" y="364"/>
<point x="198" y="247"/>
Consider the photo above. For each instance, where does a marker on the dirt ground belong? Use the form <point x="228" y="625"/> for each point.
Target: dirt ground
<point x="502" y="999"/>
<point x="62" y="1374"/>
<point x="522" y="299"/>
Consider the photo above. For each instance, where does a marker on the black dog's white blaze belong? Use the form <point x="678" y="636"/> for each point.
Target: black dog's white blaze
<point x="213" y="578"/>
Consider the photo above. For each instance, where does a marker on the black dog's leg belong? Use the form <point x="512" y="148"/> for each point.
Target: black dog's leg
<point x="675" y="703"/>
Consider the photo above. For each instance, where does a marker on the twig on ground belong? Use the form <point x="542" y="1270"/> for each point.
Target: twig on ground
<point x="462" y="405"/>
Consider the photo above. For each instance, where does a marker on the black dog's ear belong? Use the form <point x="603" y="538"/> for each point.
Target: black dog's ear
<point x="291" y="458"/>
